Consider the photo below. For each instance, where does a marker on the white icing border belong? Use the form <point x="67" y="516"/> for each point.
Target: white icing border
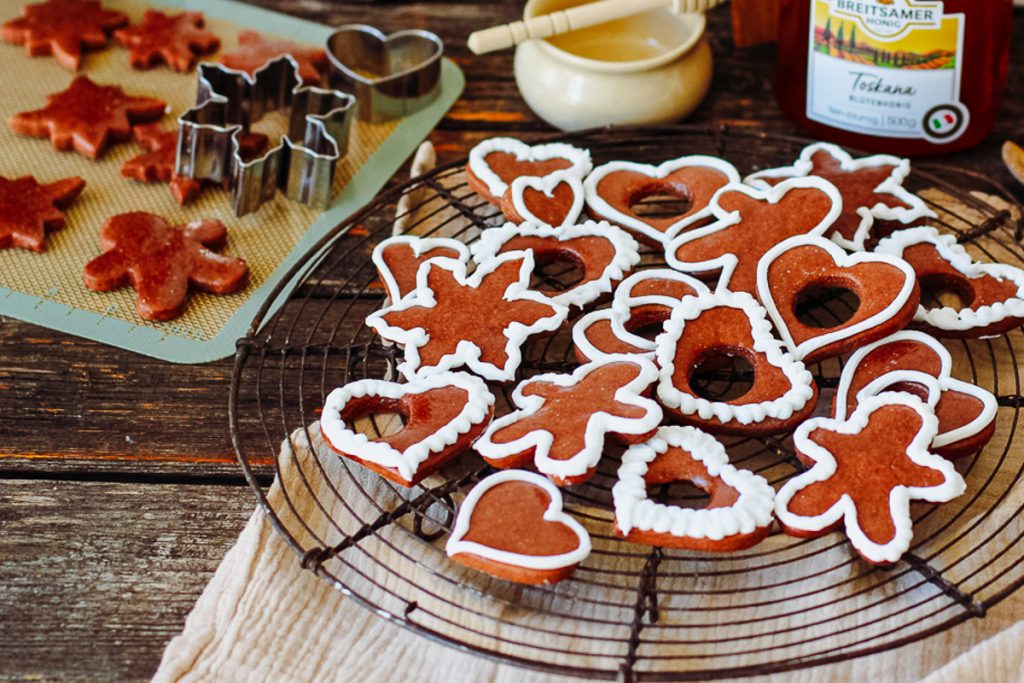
<point x="726" y="219"/>
<point x="753" y="510"/>
<point x="825" y="466"/>
<point x="599" y="205"/>
<point x="893" y="185"/>
<point x="467" y="352"/>
<point x="582" y="342"/>
<point x="965" y="319"/>
<point x="579" y="158"/>
<point x="945" y="381"/>
<point x="842" y="260"/>
<point x="342" y="438"/>
<point x="554" y="513"/>
<point x="599" y="425"/>
<point x="419" y="246"/>
<point x="546" y="185"/>
<point x="801" y="382"/>
<point x="627" y="254"/>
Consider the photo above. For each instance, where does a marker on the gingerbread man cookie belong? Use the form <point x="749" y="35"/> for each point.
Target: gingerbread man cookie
<point x="28" y="210"/>
<point x="62" y="28"/>
<point x="255" y="50"/>
<point x="399" y="258"/>
<point x="480" y="320"/>
<point x="917" y="363"/>
<point x="871" y="187"/>
<point x="512" y="526"/>
<point x="605" y="254"/>
<point x="748" y="223"/>
<point x="562" y="421"/>
<point x="738" y="515"/>
<point x="162" y="262"/>
<point x="885" y="287"/>
<point x="864" y="471"/>
<point x="442" y="415"/>
<point x="703" y="327"/>
<point x="177" y="40"/>
<point x="87" y="116"/>
<point x="612" y="190"/>
<point x="554" y="200"/>
<point x="496" y="162"/>
<point x="993" y="293"/>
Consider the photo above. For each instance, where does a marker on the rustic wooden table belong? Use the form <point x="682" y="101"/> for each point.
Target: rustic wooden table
<point x="119" y="490"/>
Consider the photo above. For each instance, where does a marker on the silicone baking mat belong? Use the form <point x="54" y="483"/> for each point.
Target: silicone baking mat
<point x="46" y="289"/>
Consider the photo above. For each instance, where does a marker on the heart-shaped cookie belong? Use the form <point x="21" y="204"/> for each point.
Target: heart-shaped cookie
<point x="443" y="415"/>
<point x="722" y="323"/>
<point x="512" y="526"/>
<point x="612" y="190"/>
<point x="738" y="515"/>
<point x="554" y="200"/>
<point x="399" y="258"/>
<point x="496" y="162"/>
<point x="884" y="285"/>
<point x="966" y="412"/>
<point x="993" y="293"/>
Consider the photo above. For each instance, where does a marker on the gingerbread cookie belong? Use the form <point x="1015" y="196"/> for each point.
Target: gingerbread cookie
<point x="62" y="28"/>
<point x="28" y="210"/>
<point x="442" y="415"/>
<point x="738" y="515"/>
<point x="496" y="162"/>
<point x="604" y="253"/>
<point x="864" y="471"/>
<point x="553" y="200"/>
<point x="255" y="50"/>
<point x="748" y="223"/>
<point x="87" y="116"/>
<point x="992" y="293"/>
<point x="512" y="526"/>
<point x="907" y="361"/>
<point x="885" y="287"/>
<point x="641" y="301"/>
<point x="177" y="40"/>
<point x="703" y="327"/>
<point x="612" y="190"/>
<point x="162" y="261"/>
<point x="871" y="187"/>
<point x="399" y="258"/>
<point x="480" y="320"/>
<point x="562" y="421"/>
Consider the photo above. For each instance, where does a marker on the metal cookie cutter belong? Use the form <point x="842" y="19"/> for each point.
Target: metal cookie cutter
<point x="392" y="76"/>
<point x="302" y="165"/>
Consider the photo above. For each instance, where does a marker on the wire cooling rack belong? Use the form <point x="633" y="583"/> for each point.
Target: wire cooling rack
<point x="630" y="612"/>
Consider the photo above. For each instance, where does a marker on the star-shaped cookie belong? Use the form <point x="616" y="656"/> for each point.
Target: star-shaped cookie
<point x="28" y="210"/>
<point x="255" y="50"/>
<point x="62" y="28"/>
<point x="178" y="40"/>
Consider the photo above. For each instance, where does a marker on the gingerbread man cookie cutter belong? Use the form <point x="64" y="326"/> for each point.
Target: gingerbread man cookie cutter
<point x="302" y="165"/>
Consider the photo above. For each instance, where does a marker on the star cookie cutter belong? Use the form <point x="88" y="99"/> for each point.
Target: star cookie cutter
<point x="302" y="166"/>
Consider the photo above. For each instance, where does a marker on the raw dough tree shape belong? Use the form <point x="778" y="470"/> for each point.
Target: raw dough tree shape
<point x="255" y="50"/>
<point x="62" y="28"/>
<point x="28" y="210"/>
<point x="177" y="40"/>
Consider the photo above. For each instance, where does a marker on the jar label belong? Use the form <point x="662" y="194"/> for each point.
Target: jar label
<point x="888" y="68"/>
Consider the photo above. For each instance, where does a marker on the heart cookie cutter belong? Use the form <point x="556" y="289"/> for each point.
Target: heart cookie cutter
<point x="302" y="165"/>
<point x="391" y="75"/>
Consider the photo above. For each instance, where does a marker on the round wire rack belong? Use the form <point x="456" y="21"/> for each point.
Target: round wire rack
<point x="630" y="612"/>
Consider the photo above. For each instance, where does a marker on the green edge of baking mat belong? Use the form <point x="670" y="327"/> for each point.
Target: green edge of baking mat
<point x="363" y="186"/>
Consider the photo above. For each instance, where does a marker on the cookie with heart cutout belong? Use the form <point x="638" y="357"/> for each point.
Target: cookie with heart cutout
<point x="512" y="525"/>
<point x="554" y="200"/>
<point x="481" y="320"/>
<point x="562" y="421"/>
<point x="496" y="162"/>
<point x="885" y="288"/>
<point x="442" y="416"/>
<point x="748" y="223"/>
<point x="711" y="328"/>
<point x="992" y="293"/>
<point x="739" y="513"/>
<point x="871" y="187"/>
<point x="614" y="189"/>
<point x="604" y="253"/>
<point x="905" y="361"/>
<point x="399" y="258"/>
<point x="643" y="300"/>
<point x="864" y="472"/>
